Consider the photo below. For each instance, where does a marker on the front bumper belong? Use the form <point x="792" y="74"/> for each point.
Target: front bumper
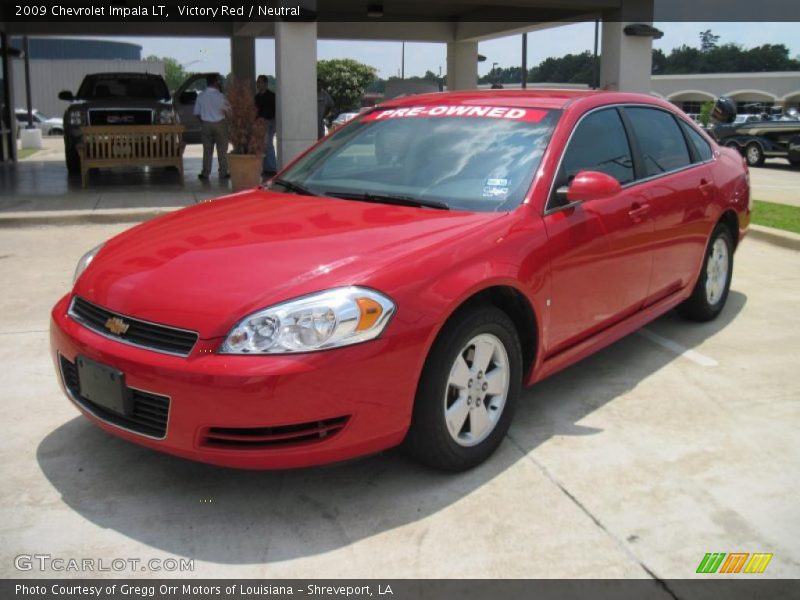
<point x="245" y="411"/>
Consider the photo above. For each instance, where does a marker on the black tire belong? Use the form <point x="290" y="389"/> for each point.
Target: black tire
<point x="429" y="440"/>
<point x="754" y="155"/>
<point x="698" y="307"/>
<point x="73" y="160"/>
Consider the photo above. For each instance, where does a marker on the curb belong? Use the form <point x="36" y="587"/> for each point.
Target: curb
<point x="778" y="237"/>
<point x="81" y="217"/>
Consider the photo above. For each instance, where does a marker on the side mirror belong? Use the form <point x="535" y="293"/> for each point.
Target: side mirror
<point x="66" y="95"/>
<point x="188" y="97"/>
<point x="591" y="185"/>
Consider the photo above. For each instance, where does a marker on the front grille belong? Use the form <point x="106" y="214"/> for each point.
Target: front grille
<point x="149" y="412"/>
<point x="270" y="437"/>
<point x="99" y="116"/>
<point x="139" y="333"/>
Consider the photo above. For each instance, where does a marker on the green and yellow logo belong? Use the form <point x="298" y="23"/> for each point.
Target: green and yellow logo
<point x="735" y="562"/>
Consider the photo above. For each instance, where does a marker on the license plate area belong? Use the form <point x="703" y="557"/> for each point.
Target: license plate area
<point x="103" y="386"/>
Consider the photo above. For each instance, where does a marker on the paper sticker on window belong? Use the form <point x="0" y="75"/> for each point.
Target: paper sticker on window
<point x="495" y="187"/>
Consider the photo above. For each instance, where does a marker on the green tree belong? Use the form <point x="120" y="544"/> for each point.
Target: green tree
<point x="346" y="81"/>
<point x="708" y="41"/>
<point x="174" y="73"/>
<point x="705" y="112"/>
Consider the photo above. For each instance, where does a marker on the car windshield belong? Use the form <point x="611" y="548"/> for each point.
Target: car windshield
<point x="473" y="158"/>
<point x="110" y="86"/>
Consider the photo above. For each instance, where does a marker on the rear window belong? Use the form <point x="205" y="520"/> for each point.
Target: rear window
<point x="472" y="158"/>
<point x="660" y="140"/>
<point x="139" y="88"/>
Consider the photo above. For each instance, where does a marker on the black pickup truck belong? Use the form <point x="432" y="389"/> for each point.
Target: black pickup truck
<point x="114" y="99"/>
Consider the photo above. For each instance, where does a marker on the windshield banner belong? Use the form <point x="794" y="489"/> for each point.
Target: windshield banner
<point x="490" y="112"/>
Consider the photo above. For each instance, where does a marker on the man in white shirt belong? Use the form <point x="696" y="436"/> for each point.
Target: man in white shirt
<point x="210" y="109"/>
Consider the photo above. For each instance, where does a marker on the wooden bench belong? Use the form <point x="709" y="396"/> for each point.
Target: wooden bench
<point x="128" y="145"/>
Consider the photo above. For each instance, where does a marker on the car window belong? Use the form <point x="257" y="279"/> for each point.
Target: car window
<point x="480" y="161"/>
<point x="599" y="143"/>
<point x="660" y="140"/>
<point x="704" y="151"/>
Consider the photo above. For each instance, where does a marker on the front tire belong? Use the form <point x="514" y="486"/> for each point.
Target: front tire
<point x="73" y="160"/>
<point x="754" y="155"/>
<point x="467" y="393"/>
<point x="711" y="290"/>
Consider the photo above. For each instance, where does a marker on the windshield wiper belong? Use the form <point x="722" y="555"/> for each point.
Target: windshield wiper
<point x="294" y="187"/>
<point x="389" y="199"/>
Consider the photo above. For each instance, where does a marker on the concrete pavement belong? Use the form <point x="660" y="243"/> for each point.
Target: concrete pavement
<point x="676" y="441"/>
<point x="776" y="181"/>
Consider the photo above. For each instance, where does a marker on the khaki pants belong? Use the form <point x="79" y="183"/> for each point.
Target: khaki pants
<point x="215" y="134"/>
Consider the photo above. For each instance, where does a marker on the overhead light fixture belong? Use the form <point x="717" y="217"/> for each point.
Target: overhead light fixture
<point x="643" y="30"/>
<point x="375" y="11"/>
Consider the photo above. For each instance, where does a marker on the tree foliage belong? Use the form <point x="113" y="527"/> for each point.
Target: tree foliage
<point x="727" y="58"/>
<point x="346" y="81"/>
<point x="572" y="68"/>
<point x="174" y="73"/>
<point x="708" y="41"/>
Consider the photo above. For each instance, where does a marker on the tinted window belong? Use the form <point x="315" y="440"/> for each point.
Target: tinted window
<point x="704" y="151"/>
<point x="598" y="144"/>
<point x="660" y="140"/>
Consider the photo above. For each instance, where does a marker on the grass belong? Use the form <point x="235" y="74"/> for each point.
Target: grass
<point x="779" y="216"/>
<point x="22" y="154"/>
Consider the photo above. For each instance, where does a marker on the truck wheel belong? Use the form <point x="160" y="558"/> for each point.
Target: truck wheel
<point x="73" y="160"/>
<point x="754" y="155"/>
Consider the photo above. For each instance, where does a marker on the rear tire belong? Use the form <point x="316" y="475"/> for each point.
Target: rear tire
<point x="711" y="290"/>
<point x="754" y="155"/>
<point x="466" y="395"/>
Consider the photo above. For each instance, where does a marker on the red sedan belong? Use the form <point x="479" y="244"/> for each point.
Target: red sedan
<point x="401" y="281"/>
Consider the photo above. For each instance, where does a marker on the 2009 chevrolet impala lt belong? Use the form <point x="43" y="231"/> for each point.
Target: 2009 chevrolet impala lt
<point x="401" y="281"/>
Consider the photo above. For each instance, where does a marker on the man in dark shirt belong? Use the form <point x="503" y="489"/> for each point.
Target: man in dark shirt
<point x="265" y="104"/>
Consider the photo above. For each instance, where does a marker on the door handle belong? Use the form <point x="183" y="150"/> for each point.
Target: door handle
<point x="705" y="186"/>
<point x="638" y="211"/>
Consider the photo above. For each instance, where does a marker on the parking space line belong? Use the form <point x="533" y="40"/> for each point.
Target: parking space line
<point x="695" y="357"/>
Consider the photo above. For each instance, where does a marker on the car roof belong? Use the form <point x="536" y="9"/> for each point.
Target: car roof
<point x="130" y="75"/>
<point x="530" y="98"/>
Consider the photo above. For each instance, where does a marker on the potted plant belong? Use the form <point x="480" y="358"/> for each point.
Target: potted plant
<point x="246" y="134"/>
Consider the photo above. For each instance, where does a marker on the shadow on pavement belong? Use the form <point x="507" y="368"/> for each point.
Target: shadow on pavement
<point x="247" y="517"/>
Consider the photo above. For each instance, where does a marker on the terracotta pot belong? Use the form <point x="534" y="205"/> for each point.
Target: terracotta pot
<point x="245" y="171"/>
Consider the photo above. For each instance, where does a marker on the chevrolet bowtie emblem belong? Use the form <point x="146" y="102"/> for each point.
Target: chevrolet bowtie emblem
<point x="116" y="325"/>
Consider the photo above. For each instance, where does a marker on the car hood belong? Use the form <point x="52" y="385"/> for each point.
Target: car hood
<point x="207" y="266"/>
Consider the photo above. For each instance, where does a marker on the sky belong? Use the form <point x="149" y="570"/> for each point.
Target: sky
<point x="213" y="54"/>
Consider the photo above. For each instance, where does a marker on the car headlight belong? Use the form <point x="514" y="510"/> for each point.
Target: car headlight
<point x="330" y="319"/>
<point x="85" y="261"/>
<point x="166" y="116"/>
<point x="76" y="117"/>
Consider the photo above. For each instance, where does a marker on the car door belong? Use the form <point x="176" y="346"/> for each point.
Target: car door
<point x="184" y="99"/>
<point x="677" y="187"/>
<point x="600" y="258"/>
